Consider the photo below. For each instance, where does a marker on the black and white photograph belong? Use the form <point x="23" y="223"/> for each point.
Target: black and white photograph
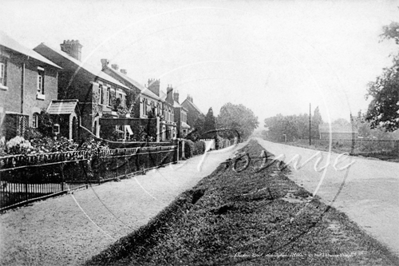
<point x="240" y="132"/>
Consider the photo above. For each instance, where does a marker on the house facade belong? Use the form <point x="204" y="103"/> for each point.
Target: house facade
<point x="193" y="112"/>
<point x="182" y="127"/>
<point x="95" y="93"/>
<point x="28" y="84"/>
<point x="168" y="125"/>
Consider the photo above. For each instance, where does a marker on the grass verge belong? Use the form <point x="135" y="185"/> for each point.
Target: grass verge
<point x="247" y="218"/>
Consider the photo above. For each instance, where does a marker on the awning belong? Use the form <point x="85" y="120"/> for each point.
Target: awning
<point x="184" y="125"/>
<point x="62" y="107"/>
<point x="129" y="130"/>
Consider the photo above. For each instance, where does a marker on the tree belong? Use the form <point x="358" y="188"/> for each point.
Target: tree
<point x="316" y="121"/>
<point x="383" y="110"/>
<point x="236" y="118"/>
<point x="210" y="123"/>
<point x="289" y="128"/>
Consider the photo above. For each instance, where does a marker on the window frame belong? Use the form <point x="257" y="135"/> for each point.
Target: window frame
<point x="40" y="94"/>
<point x="3" y="73"/>
<point x="35" y="120"/>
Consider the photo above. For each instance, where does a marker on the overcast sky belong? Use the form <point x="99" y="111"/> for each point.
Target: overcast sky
<point x="273" y="57"/>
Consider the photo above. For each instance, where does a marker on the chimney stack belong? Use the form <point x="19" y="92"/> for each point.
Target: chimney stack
<point x="115" y="66"/>
<point x="104" y="63"/>
<point x="176" y="96"/>
<point x="169" y="94"/>
<point x="154" y="86"/>
<point x="123" y="71"/>
<point x="72" y="48"/>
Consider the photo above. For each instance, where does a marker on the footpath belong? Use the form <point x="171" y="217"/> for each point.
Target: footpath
<point x="70" y="229"/>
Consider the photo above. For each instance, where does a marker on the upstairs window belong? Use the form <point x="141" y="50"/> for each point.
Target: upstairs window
<point x="108" y="97"/>
<point x="3" y="72"/>
<point x="100" y="94"/>
<point x="40" y="83"/>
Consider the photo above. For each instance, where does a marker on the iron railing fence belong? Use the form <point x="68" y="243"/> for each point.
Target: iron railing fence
<point x="25" y="178"/>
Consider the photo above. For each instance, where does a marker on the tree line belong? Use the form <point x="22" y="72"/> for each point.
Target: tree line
<point x="292" y="127"/>
<point x="234" y="120"/>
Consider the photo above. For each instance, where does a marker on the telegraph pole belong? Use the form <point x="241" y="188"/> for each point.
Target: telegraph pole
<point x="310" y="124"/>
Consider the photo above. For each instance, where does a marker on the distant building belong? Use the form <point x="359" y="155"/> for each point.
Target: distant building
<point x="338" y="132"/>
<point x="28" y="84"/>
<point x="180" y="117"/>
<point x="95" y="93"/>
<point x="193" y="112"/>
<point x="168" y="129"/>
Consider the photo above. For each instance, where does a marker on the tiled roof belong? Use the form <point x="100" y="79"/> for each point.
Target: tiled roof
<point x="59" y="107"/>
<point x="192" y="104"/>
<point x="96" y="71"/>
<point x="176" y="104"/>
<point x="12" y="44"/>
<point x="162" y="95"/>
<point x="184" y="125"/>
<point x="143" y="89"/>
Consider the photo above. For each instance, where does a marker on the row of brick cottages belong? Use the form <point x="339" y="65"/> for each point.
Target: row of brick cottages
<point x="75" y="93"/>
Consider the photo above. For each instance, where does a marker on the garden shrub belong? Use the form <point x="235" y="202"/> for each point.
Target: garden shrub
<point x="199" y="147"/>
<point x="18" y="145"/>
<point x="188" y="148"/>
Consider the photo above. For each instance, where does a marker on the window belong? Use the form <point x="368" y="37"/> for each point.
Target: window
<point x="35" y="120"/>
<point x="108" y="96"/>
<point x="100" y="94"/>
<point x="3" y="72"/>
<point x="40" y="81"/>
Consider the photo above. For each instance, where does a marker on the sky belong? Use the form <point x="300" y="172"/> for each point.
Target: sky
<point x="271" y="56"/>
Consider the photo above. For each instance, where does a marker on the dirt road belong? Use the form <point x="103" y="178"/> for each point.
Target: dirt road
<point x="367" y="191"/>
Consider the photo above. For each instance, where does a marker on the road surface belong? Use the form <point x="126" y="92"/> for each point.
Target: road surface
<point x="367" y="190"/>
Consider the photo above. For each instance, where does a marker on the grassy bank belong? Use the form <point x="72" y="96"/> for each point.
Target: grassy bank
<point x="248" y="217"/>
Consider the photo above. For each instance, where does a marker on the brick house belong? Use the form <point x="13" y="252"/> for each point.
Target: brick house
<point x="193" y="112"/>
<point x="168" y="125"/>
<point x="96" y="94"/>
<point x="182" y="127"/>
<point x="145" y="100"/>
<point x="28" y="84"/>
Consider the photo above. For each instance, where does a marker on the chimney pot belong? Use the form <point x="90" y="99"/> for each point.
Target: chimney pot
<point x="115" y="66"/>
<point x="104" y="63"/>
<point x="72" y="48"/>
<point x="123" y="71"/>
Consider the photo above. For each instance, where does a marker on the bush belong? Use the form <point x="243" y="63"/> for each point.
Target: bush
<point x="199" y="147"/>
<point x="188" y="148"/>
<point x="18" y="145"/>
<point x="222" y="143"/>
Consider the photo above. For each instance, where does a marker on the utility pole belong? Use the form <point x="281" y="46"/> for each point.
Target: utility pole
<point x="310" y="124"/>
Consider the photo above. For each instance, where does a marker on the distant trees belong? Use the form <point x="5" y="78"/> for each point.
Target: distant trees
<point x="210" y="124"/>
<point x="316" y="121"/>
<point x="291" y="127"/>
<point x="383" y="110"/>
<point x="236" y="118"/>
<point x="365" y="130"/>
